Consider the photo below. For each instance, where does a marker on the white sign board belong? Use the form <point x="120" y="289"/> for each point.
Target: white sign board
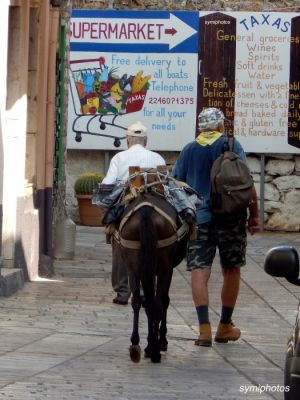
<point x="129" y="66"/>
<point x="163" y="67"/>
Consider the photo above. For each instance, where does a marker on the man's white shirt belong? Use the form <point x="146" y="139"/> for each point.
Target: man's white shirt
<point x="136" y="155"/>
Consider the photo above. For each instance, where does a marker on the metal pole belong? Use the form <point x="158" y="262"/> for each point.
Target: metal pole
<point x="62" y="47"/>
<point x="262" y="191"/>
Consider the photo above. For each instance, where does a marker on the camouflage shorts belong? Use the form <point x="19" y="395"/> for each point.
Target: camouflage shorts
<point x="229" y="237"/>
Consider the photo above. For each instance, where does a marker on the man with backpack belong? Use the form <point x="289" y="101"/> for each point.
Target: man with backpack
<point x="217" y="227"/>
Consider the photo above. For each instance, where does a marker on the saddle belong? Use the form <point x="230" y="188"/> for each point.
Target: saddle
<point x="152" y="184"/>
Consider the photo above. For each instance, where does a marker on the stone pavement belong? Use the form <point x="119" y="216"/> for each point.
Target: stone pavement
<point x="63" y="338"/>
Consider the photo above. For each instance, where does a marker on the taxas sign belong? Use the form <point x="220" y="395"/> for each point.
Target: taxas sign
<point x="255" y="78"/>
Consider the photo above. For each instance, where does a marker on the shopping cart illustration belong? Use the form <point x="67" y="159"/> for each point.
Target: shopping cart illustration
<point x="100" y="95"/>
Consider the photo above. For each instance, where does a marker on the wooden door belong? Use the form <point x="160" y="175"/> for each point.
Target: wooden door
<point x="216" y="64"/>
<point x="294" y="88"/>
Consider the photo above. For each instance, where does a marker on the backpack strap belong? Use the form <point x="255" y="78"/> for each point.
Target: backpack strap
<point x="230" y="143"/>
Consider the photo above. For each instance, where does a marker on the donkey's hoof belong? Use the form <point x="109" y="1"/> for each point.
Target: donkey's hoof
<point x="153" y="355"/>
<point x="155" y="358"/>
<point x="163" y="346"/>
<point x="147" y="352"/>
<point x="135" y="353"/>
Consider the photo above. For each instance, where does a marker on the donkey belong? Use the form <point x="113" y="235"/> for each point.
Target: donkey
<point x="151" y="242"/>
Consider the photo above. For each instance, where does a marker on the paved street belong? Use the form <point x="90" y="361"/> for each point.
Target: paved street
<point x="63" y="338"/>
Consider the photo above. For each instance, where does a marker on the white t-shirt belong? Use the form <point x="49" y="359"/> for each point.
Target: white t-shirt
<point x="136" y="155"/>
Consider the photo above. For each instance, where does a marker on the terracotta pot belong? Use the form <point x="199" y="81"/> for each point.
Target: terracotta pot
<point x="90" y="214"/>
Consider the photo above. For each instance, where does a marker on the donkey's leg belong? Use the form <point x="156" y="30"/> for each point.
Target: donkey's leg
<point x="163" y="342"/>
<point x="157" y="318"/>
<point x="152" y="349"/>
<point x="135" y="350"/>
<point x="163" y="286"/>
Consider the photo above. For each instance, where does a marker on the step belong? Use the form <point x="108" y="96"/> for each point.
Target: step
<point x="11" y="280"/>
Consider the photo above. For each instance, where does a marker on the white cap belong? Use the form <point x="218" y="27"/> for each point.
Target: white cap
<point x="209" y="118"/>
<point x="137" y="129"/>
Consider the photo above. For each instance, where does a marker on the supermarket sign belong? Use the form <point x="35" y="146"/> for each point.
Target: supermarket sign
<point x="163" y="67"/>
<point x="170" y="31"/>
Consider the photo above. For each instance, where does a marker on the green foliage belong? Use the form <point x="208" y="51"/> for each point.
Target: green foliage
<point x="146" y="86"/>
<point x="87" y="182"/>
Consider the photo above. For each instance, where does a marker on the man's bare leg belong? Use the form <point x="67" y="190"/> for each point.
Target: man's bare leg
<point x="200" y="278"/>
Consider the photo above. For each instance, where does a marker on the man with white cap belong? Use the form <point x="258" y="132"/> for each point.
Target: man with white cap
<point x="118" y="171"/>
<point x="136" y="155"/>
<point x="227" y="233"/>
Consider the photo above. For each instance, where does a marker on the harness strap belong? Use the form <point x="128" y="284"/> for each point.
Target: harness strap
<point x="157" y="209"/>
<point x="182" y="231"/>
<point x="132" y="244"/>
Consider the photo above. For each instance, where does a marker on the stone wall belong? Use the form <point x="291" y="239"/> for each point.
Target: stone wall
<point x="208" y="5"/>
<point x="281" y="189"/>
<point x="80" y="161"/>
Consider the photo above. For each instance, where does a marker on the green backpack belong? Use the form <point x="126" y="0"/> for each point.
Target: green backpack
<point x="231" y="183"/>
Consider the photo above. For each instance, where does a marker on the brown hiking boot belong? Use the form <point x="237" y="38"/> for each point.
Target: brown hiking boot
<point x="227" y="332"/>
<point x="205" y="337"/>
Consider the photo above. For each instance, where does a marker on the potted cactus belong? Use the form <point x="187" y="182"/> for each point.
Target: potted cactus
<point x="90" y="214"/>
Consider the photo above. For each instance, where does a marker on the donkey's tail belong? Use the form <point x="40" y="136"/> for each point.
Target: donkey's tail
<point x="148" y="240"/>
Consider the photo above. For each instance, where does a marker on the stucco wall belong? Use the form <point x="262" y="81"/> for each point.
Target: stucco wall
<point x="282" y="172"/>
